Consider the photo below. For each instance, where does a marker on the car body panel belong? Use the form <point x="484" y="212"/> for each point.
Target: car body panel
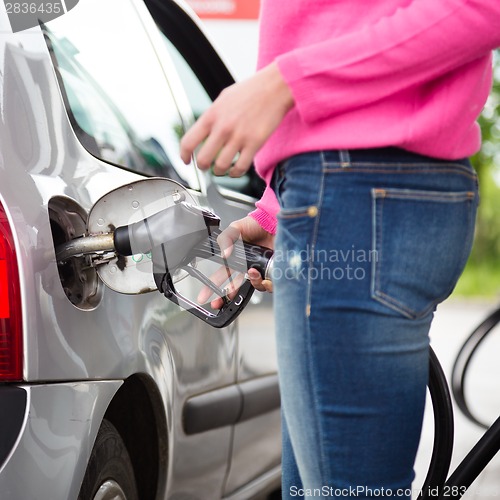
<point x="76" y="359"/>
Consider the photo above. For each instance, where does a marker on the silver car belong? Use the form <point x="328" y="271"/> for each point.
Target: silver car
<point x="109" y="395"/>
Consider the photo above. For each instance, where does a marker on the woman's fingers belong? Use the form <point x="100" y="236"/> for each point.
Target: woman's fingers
<point x="227" y="238"/>
<point x="258" y="283"/>
<point x="240" y="121"/>
<point x="224" y="274"/>
<point x="246" y="229"/>
<point x="193" y="137"/>
<point x="218" y="278"/>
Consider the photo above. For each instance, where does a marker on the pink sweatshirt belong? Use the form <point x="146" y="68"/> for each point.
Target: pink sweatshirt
<point x="408" y="73"/>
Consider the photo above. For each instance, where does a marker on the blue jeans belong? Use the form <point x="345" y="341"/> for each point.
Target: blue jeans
<point x="368" y="243"/>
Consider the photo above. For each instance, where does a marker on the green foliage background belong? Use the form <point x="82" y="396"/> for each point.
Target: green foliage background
<point x="482" y="274"/>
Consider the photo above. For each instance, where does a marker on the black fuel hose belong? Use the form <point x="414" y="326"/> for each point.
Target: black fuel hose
<point x="443" y="430"/>
<point x="462" y="363"/>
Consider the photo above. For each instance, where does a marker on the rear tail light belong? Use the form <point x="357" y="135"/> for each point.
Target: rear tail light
<point x="10" y="306"/>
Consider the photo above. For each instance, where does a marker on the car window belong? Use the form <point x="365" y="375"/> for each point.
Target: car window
<point x="115" y="91"/>
<point x="199" y="99"/>
<point x="197" y="95"/>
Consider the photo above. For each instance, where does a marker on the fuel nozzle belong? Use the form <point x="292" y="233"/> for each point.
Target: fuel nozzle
<point x="178" y="229"/>
<point x="179" y="238"/>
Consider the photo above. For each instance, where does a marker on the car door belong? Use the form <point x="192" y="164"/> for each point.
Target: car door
<point x="256" y="440"/>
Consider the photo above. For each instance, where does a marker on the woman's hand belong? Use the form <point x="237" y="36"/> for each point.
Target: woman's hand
<point x="249" y="230"/>
<point x="239" y="121"/>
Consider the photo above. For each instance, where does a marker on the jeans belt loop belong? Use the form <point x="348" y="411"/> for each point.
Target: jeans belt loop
<point x="345" y="158"/>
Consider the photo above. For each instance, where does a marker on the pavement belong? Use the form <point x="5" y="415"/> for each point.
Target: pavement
<point x="454" y="321"/>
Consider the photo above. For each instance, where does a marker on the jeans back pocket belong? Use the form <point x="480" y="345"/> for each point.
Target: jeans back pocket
<point x="422" y="240"/>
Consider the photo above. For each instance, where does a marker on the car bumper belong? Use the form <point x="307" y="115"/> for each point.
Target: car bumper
<point x="46" y="437"/>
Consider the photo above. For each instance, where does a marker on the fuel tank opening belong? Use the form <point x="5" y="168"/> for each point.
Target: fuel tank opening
<point x="78" y="277"/>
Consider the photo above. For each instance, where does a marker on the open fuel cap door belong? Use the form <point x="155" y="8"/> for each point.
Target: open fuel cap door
<point x="124" y="206"/>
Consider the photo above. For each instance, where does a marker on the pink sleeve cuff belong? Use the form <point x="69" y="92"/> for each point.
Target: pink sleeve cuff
<point x="266" y="221"/>
<point x="266" y="210"/>
<point x="304" y="90"/>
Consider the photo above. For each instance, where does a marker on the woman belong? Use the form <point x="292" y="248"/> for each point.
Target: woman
<point x="361" y="120"/>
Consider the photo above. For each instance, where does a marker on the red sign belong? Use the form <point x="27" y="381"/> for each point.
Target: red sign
<point x="226" y="9"/>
